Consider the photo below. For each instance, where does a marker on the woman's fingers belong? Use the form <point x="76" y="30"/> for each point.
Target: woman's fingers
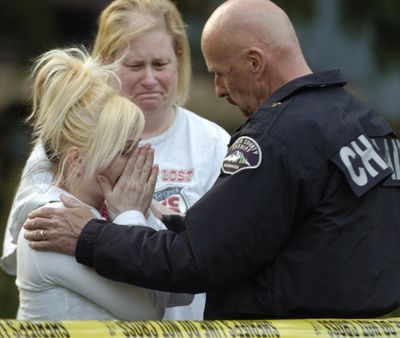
<point x="139" y="165"/>
<point x="152" y="179"/>
<point x="126" y="175"/>
<point x="147" y="167"/>
<point x="135" y="187"/>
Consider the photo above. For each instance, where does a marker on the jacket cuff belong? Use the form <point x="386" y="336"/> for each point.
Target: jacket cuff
<point x="84" y="251"/>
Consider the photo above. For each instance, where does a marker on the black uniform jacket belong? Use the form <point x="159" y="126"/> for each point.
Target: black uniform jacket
<point x="304" y="220"/>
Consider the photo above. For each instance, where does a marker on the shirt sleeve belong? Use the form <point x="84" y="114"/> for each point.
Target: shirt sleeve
<point x="35" y="180"/>
<point x="179" y="299"/>
<point x="132" y="217"/>
<point x="232" y="232"/>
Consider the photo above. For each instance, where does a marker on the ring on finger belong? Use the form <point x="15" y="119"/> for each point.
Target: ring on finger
<point x="42" y="235"/>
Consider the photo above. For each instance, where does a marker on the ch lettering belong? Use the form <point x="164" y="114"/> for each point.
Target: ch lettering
<point x="367" y="154"/>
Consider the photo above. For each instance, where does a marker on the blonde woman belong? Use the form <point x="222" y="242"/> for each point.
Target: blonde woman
<point x="86" y="130"/>
<point x="150" y="37"/>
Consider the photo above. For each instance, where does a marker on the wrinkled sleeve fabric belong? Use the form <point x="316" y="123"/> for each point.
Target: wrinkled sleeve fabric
<point x="122" y="300"/>
<point x="137" y="218"/>
<point x="35" y="181"/>
<point x="233" y="232"/>
<point x="160" y="260"/>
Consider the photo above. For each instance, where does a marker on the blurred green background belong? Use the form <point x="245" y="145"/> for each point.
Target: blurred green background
<point x="358" y="36"/>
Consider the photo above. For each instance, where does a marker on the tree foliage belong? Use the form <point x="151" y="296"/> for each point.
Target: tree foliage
<point x="380" y="19"/>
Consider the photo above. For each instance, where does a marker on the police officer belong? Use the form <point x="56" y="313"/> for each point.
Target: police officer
<point x="304" y="220"/>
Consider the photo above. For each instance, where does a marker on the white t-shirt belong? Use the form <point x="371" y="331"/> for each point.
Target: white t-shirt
<point x="53" y="286"/>
<point x="189" y="154"/>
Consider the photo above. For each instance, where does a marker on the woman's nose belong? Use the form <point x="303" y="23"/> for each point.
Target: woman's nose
<point x="150" y="78"/>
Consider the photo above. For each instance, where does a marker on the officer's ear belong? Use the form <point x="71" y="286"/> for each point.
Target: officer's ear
<point x="256" y="60"/>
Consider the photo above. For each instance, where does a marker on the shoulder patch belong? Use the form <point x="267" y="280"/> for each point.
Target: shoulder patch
<point x="389" y="147"/>
<point x="244" y="153"/>
<point x="362" y="164"/>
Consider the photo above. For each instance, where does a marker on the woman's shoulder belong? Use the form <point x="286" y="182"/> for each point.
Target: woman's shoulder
<point x="50" y="197"/>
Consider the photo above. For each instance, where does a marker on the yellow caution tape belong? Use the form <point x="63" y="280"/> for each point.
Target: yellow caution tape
<point x="321" y="328"/>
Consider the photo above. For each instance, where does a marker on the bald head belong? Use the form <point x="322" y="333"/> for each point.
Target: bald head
<point x="252" y="22"/>
<point x="239" y="24"/>
<point x="257" y="38"/>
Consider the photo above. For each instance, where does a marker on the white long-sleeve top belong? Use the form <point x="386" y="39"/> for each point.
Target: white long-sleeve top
<point x="54" y="286"/>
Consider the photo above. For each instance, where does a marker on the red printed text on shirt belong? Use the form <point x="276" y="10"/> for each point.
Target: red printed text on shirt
<point x="176" y="175"/>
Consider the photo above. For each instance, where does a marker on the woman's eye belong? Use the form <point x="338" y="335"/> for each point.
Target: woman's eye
<point x="133" y="66"/>
<point x="161" y="65"/>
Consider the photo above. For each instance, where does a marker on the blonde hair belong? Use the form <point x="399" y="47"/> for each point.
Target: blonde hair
<point x="73" y="105"/>
<point x="124" y="20"/>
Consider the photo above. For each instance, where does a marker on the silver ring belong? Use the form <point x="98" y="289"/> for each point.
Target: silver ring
<point x="42" y="234"/>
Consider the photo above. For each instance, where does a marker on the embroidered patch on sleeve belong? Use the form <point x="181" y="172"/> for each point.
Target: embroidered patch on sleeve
<point x="244" y="153"/>
<point x="362" y="164"/>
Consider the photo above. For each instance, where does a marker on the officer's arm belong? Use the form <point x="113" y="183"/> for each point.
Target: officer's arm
<point x="138" y="255"/>
<point x="232" y="233"/>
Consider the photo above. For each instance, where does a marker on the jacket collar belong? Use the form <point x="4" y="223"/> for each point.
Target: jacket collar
<point x="321" y="79"/>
